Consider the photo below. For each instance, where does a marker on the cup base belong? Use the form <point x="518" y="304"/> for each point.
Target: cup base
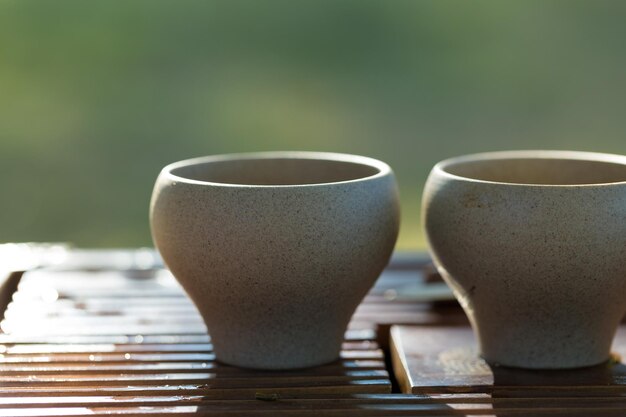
<point x="544" y="366"/>
<point x="271" y="364"/>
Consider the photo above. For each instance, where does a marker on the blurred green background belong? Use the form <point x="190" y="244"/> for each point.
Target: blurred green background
<point x="95" y="97"/>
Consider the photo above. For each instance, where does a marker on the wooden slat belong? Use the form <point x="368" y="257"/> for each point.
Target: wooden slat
<point x="321" y="408"/>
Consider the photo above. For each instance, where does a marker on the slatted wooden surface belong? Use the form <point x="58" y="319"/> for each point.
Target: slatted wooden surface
<point x="116" y="338"/>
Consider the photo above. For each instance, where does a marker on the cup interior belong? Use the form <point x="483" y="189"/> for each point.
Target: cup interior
<point x="275" y="171"/>
<point x="540" y="170"/>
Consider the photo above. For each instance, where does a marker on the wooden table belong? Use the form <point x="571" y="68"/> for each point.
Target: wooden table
<point x="107" y="333"/>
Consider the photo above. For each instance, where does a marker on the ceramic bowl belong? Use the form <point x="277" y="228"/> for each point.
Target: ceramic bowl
<point x="276" y="249"/>
<point x="533" y="243"/>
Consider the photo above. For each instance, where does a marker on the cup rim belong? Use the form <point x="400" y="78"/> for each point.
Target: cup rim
<point x="382" y="168"/>
<point x="441" y="167"/>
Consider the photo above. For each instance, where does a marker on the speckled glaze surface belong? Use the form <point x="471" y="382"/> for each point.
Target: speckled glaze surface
<point x="276" y="249"/>
<point x="533" y="244"/>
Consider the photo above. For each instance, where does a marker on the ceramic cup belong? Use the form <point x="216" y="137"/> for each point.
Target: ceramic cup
<point x="533" y="243"/>
<point x="276" y="249"/>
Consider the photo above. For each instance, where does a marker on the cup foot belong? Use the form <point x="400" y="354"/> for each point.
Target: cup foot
<point x="542" y="357"/>
<point x="275" y="364"/>
<point x="544" y="365"/>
